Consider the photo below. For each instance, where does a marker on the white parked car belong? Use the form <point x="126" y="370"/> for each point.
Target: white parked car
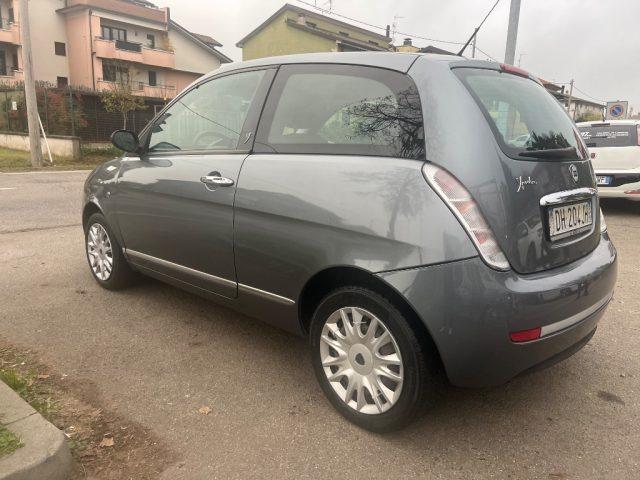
<point x="615" y="153"/>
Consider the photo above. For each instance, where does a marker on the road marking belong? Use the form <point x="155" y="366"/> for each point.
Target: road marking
<point x="7" y="188"/>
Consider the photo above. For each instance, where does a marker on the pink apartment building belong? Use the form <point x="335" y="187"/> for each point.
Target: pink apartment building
<point x="96" y="43"/>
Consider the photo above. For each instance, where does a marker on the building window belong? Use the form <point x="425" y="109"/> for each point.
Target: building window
<point x="153" y="78"/>
<point x="113" y="33"/>
<point x="115" y="73"/>
<point x="63" y="82"/>
<point x="151" y="41"/>
<point x="11" y="16"/>
<point x="16" y="63"/>
<point x="61" y="49"/>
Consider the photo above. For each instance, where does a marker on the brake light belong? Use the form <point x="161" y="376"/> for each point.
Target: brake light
<point x="526" y="335"/>
<point x="466" y="210"/>
<point x="515" y="70"/>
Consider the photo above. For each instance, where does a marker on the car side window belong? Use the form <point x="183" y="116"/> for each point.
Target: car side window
<point x="342" y="109"/>
<point x="209" y="117"/>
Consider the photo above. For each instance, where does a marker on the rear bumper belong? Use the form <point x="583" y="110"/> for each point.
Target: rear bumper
<point x="626" y="184"/>
<point x="470" y="310"/>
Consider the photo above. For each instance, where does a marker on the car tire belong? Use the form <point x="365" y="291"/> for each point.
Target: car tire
<point x="395" y="407"/>
<point x="106" y="261"/>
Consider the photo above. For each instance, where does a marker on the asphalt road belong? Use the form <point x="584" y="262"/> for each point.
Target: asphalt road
<point x="156" y="354"/>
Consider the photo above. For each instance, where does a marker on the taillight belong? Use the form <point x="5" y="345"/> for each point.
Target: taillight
<point x="466" y="210"/>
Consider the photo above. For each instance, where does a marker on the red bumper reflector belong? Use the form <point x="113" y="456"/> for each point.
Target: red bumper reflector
<point x="632" y="192"/>
<point x="525" y="335"/>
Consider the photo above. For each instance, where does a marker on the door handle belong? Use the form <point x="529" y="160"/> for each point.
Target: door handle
<point x="217" y="181"/>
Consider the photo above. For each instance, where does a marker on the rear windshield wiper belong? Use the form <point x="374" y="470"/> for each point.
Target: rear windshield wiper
<point x="569" y="152"/>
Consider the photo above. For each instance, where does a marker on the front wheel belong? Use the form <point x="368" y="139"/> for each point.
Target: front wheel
<point x="106" y="260"/>
<point x="369" y="362"/>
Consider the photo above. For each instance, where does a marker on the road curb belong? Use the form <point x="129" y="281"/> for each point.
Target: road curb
<point x="45" y="453"/>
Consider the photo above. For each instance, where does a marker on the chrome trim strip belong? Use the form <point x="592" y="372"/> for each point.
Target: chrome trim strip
<point x="180" y="268"/>
<point x="573" y="319"/>
<point x="568" y="196"/>
<point x="265" y="294"/>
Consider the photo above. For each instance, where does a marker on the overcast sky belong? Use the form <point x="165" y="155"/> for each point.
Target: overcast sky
<point x="596" y="42"/>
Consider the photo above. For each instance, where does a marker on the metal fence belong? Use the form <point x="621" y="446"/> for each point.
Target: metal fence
<point x="71" y="112"/>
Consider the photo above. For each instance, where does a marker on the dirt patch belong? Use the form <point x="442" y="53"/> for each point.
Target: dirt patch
<point x="104" y="444"/>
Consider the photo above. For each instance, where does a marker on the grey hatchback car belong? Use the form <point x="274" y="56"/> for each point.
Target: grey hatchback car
<point x="409" y="214"/>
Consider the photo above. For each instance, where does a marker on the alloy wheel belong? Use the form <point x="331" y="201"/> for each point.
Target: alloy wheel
<point x="100" y="252"/>
<point x="361" y="360"/>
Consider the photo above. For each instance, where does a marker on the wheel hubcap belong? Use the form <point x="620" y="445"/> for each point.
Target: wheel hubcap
<point x="361" y="360"/>
<point x="99" y="251"/>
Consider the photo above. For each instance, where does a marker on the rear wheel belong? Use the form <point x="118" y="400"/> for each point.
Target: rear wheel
<point x="369" y="361"/>
<point x="104" y="254"/>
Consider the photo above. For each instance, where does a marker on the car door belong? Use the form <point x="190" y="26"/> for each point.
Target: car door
<point x="175" y="201"/>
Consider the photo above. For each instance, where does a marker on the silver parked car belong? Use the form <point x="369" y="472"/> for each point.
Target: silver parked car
<point x="383" y="205"/>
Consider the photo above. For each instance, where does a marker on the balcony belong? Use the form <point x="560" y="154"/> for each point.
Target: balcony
<point x="133" y="52"/>
<point x="11" y="78"/>
<point x="9" y="32"/>
<point x="142" y="89"/>
<point x="128" y="46"/>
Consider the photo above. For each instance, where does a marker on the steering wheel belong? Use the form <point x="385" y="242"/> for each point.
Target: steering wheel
<point x="211" y="139"/>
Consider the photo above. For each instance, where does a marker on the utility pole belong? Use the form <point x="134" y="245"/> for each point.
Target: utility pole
<point x="573" y="115"/>
<point x="30" y="87"/>
<point x="520" y="59"/>
<point x="473" y="46"/>
<point x="512" y="32"/>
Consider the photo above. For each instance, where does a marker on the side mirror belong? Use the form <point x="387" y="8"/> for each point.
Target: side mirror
<point x="126" y="140"/>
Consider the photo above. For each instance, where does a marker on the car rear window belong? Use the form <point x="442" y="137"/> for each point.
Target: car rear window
<point x="607" y="135"/>
<point x="526" y="120"/>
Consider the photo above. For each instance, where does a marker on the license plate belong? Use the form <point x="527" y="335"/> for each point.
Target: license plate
<point x="568" y="220"/>
<point x="604" y="179"/>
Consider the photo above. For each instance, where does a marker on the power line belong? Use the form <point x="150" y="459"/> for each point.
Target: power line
<point x="590" y="96"/>
<point x="377" y="26"/>
<point x="406" y="34"/>
<point x="475" y="32"/>
<point x="486" y="54"/>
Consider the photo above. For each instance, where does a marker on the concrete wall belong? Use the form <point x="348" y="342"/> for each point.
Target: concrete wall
<point x="278" y="38"/>
<point x="191" y="57"/>
<point x="48" y="27"/>
<point x="61" y="146"/>
<point x="80" y="26"/>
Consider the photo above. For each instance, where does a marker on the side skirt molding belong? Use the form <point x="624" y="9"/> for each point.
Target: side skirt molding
<point x="133" y="255"/>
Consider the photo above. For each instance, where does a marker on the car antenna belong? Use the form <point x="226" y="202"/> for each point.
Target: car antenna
<point x="475" y="32"/>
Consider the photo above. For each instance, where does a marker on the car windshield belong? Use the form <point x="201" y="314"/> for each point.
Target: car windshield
<point x="526" y="120"/>
<point x="608" y="135"/>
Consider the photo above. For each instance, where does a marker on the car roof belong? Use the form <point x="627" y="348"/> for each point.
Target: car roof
<point x="390" y="60"/>
<point x="629" y="121"/>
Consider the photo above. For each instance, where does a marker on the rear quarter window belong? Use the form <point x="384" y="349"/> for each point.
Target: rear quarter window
<point x="342" y="109"/>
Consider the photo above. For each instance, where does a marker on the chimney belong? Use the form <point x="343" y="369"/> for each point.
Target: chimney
<point x="302" y="20"/>
<point x="407" y="42"/>
<point x="388" y="31"/>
